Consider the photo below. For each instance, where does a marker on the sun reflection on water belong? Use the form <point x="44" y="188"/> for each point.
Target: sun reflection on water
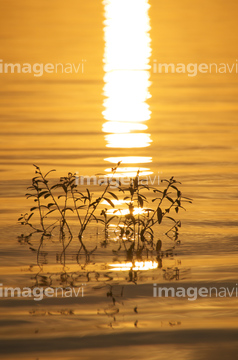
<point x="129" y="159"/>
<point x="126" y="65"/>
<point x="137" y="265"/>
<point x="123" y="212"/>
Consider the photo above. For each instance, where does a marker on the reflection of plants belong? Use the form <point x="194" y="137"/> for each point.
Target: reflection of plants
<point x="106" y="221"/>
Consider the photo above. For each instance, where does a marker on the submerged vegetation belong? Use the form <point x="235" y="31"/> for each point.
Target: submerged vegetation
<point x="136" y="212"/>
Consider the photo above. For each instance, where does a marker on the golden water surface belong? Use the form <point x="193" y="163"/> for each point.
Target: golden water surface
<point x="120" y="109"/>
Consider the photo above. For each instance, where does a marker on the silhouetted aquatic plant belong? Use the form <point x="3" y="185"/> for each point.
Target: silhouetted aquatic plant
<point x="137" y="226"/>
<point x="48" y="202"/>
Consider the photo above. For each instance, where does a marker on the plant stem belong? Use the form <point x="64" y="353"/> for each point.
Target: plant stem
<point x="40" y="212"/>
<point x="55" y="202"/>
<point x="88" y="218"/>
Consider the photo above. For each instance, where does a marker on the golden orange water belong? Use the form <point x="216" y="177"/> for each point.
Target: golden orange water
<point x="73" y="122"/>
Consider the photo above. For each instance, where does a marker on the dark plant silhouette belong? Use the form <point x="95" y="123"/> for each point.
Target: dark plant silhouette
<point x="138" y="227"/>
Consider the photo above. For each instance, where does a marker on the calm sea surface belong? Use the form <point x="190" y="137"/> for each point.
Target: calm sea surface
<point x="119" y="108"/>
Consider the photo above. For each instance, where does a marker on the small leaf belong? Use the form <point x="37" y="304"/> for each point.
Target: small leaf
<point x="63" y="196"/>
<point x="113" y="195"/>
<point x="169" y="198"/>
<point x="81" y="207"/>
<point x="49" y="172"/>
<point x="49" y="212"/>
<point x="50" y="204"/>
<point x="89" y="196"/>
<point x="30" y="216"/>
<point x="42" y="193"/>
<point x="168" y="217"/>
<point x="159" y="215"/>
<point x="56" y="186"/>
<point x="67" y="208"/>
<point x="109" y="202"/>
<point x="140" y="201"/>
